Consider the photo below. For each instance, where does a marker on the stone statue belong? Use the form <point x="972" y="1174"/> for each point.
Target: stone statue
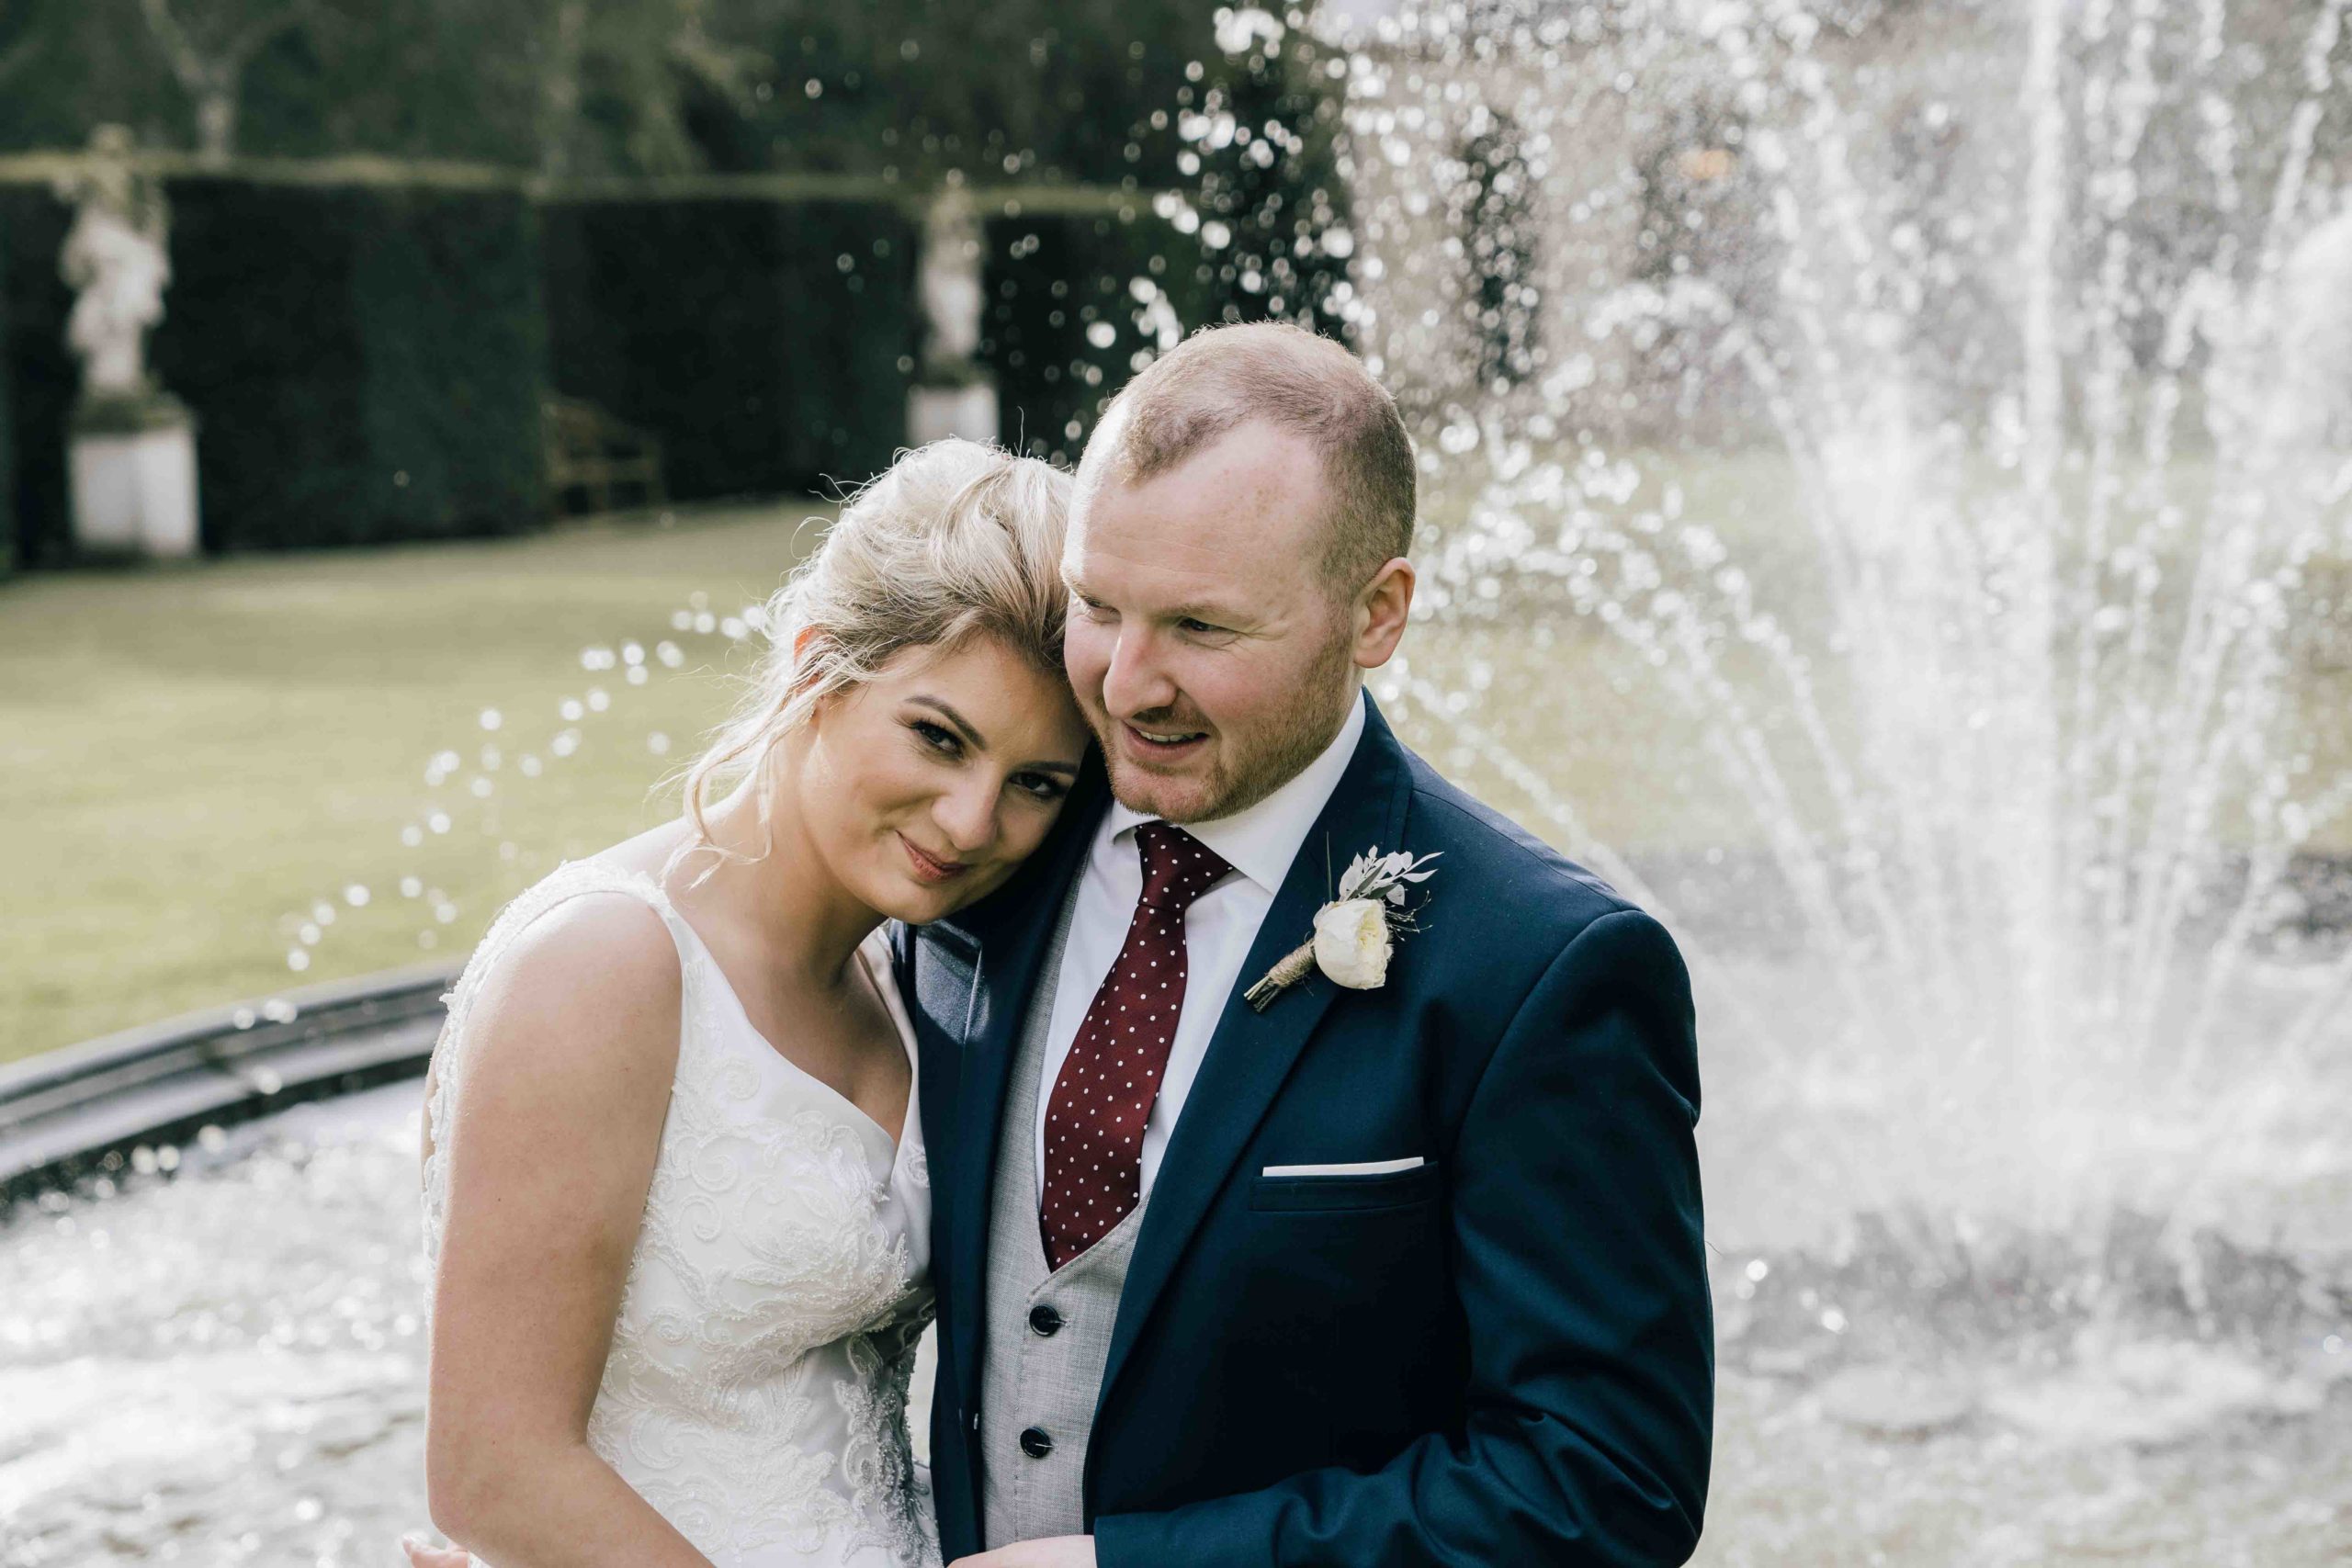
<point x="950" y="278"/>
<point x="130" y="463"/>
<point x="953" y="393"/>
<point x="115" y="259"/>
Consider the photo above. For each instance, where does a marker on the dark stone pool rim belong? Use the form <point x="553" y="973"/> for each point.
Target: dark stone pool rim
<point x="80" y="1111"/>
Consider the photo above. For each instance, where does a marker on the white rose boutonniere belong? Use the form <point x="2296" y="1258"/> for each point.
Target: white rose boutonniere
<point x="1356" y="932"/>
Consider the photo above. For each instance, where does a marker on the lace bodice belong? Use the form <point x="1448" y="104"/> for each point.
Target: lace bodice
<point x="755" y="1392"/>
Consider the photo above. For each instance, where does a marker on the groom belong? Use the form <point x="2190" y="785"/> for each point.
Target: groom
<point x="1396" y="1273"/>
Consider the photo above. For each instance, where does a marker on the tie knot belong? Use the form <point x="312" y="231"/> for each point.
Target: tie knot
<point x="1177" y="867"/>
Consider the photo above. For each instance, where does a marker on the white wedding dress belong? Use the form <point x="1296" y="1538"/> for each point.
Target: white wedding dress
<point x="755" y="1394"/>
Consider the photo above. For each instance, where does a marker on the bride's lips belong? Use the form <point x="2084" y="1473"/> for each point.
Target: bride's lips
<point x="1144" y="749"/>
<point x="928" y="869"/>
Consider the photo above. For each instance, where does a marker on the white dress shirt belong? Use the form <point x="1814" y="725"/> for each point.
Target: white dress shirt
<point x="1258" y="843"/>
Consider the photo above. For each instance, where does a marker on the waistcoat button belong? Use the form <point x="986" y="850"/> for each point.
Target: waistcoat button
<point x="1035" y="1444"/>
<point x="1045" y="1319"/>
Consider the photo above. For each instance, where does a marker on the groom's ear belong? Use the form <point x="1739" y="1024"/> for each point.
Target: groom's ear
<point x="1380" y="613"/>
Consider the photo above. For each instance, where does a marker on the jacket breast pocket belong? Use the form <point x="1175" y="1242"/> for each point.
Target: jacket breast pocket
<point x="1343" y="1192"/>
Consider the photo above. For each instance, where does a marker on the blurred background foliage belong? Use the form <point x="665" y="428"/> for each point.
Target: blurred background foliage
<point x="399" y="231"/>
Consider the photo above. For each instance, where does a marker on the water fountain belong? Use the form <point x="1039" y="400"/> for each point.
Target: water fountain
<point x="1874" y="515"/>
<point x="1885" y="528"/>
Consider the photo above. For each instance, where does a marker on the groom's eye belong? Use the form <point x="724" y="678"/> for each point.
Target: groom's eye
<point x="1198" y="628"/>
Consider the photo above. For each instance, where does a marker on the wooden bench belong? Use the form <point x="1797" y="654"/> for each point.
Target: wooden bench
<point x="593" y="456"/>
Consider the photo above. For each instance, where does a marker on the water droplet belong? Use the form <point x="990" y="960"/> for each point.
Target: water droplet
<point x="438" y="822"/>
<point x="658" y="743"/>
<point x="356" y="896"/>
<point x="297" y="960"/>
<point x="411" y="886"/>
<point x="599" y="699"/>
<point x="491" y="718"/>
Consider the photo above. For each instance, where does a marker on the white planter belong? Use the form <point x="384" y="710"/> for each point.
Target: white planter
<point x="134" y="492"/>
<point x="934" y="414"/>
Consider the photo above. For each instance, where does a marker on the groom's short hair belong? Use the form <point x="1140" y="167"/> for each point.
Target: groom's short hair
<point x="1223" y="377"/>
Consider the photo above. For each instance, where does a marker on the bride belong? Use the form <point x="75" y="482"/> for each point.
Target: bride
<point x="674" y="1184"/>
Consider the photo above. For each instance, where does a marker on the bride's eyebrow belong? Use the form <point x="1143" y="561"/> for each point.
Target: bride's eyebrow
<point x="962" y="725"/>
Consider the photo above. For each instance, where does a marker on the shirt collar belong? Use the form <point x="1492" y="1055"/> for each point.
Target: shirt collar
<point x="1260" y="841"/>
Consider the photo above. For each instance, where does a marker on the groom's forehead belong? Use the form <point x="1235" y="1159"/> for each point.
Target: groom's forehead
<point x="1254" y="485"/>
<point x="1222" y="549"/>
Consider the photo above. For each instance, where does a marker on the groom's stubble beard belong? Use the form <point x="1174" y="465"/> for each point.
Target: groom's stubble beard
<point x="1244" y="769"/>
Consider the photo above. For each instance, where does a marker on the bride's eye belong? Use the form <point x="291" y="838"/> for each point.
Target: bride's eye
<point x="1045" y="786"/>
<point x="937" y="737"/>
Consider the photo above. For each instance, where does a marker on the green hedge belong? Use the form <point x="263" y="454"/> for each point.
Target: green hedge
<point x="366" y="361"/>
<point x="41" y="375"/>
<point x="7" y="449"/>
<point x="767" y="341"/>
<point x="367" y="346"/>
<point x="1053" y="280"/>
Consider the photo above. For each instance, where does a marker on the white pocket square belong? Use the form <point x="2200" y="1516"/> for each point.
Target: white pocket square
<point x="1362" y="1168"/>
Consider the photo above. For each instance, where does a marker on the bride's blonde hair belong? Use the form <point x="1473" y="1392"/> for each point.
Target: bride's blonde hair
<point x="954" y="540"/>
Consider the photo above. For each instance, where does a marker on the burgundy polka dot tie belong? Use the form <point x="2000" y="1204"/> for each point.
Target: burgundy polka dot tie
<point x="1094" y="1119"/>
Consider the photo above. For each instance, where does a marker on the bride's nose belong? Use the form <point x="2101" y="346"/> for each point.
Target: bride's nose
<point x="966" y="814"/>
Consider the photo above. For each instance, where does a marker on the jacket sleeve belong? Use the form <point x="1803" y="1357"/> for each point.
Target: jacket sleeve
<point x="1574" y="1212"/>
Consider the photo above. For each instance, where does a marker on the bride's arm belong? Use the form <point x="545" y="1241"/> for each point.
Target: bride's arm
<point x="570" y="1052"/>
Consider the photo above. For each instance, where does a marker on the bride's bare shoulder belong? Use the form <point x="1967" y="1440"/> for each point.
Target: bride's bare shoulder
<point x="575" y="1021"/>
<point x="592" y="981"/>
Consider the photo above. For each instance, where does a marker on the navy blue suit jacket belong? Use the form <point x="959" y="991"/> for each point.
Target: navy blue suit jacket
<point x="1502" y="1357"/>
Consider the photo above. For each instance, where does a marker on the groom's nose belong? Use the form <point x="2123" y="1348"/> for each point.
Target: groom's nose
<point x="1135" y="681"/>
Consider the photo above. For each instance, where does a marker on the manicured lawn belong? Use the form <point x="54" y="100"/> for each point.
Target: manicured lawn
<point x="191" y="760"/>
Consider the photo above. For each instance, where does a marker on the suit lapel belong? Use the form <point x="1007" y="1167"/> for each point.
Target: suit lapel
<point x="1009" y="931"/>
<point x="1251" y="1053"/>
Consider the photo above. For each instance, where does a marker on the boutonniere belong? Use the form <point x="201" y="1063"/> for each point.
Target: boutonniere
<point x="1355" y="931"/>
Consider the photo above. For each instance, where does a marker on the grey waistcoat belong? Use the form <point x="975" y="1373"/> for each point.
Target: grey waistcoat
<point x="1031" y="1382"/>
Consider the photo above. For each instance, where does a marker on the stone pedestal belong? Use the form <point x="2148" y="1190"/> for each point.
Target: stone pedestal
<point x="132" y="470"/>
<point x="934" y="414"/>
